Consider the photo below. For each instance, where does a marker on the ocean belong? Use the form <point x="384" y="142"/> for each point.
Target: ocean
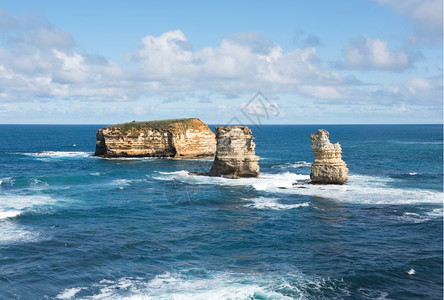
<point x="75" y="226"/>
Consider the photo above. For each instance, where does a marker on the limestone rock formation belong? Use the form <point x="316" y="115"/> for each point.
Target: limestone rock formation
<point x="178" y="138"/>
<point x="235" y="155"/>
<point x="328" y="166"/>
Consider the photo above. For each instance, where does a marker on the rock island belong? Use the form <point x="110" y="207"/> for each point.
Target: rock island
<point x="177" y="138"/>
<point x="235" y="156"/>
<point x="328" y="166"/>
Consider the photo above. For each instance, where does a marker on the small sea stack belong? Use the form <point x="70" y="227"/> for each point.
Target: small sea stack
<point x="235" y="156"/>
<point x="328" y="166"/>
<point x="178" y="138"/>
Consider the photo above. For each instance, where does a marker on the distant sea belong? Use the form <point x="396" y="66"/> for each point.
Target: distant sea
<point x="74" y="226"/>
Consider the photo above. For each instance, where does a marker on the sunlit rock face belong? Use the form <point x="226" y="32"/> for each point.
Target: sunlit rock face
<point x="328" y="166"/>
<point x="235" y="156"/>
<point x="178" y="138"/>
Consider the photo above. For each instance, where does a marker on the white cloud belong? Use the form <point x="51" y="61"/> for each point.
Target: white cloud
<point x="39" y="62"/>
<point x="321" y="92"/>
<point x="419" y="91"/>
<point x="241" y="63"/>
<point x="402" y="109"/>
<point x="139" y="110"/>
<point x="72" y="68"/>
<point x="48" y="38"/>
<point x="6" y="109"/>
<point x="373" y="54"/>
<point x="427" y="15"/>
<point x="162" y="56"/>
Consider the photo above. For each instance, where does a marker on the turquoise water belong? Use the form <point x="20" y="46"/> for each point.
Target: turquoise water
<point x="74" y="226"/>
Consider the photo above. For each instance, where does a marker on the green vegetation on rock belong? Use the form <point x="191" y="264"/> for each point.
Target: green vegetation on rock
<point x="162" y="125"/>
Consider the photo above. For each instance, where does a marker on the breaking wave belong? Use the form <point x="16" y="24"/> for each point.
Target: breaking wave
<point x="359" y="188"/>
<point x="296" y="165"/>
<point x="12" y="206"/>
<point x="272" y="203"/>
<point x="49" y="155"/>
<point x="217" y="285"/>
<point x="7" y="181"/>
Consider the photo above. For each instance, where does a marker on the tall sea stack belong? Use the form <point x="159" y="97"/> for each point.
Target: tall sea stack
<point x="328" y="166"/>
<point x="235" y="155"/>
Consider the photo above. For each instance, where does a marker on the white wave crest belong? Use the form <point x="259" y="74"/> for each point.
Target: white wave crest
<point x="359" y="188"/>
<point x="129" y="158"/>
<point x="9" y="214"/>
<point x="213" y="286"/>
<point x="264" y="182"/>
<point x="272" y="203"/>
<point x="10" y="233"/>
<point x="121" y="183"/>
<point x="288" y="284"/>
<point x="7" y="181"/>
<point x="421" y="216"/>
<point x="368" y="190"/>
<point x="296" y="165"/>
<point x="14" y="205"/>
<point x="68" y="293"/>
<point x="408" y="217"/>
<point x="59" y="154"/>
<point x="437" y="212"/>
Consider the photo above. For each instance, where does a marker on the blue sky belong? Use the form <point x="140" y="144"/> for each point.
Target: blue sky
<point x="317" y="62"/>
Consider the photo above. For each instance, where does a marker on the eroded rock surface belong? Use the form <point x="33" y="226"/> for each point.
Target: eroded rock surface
<point x="235" y="156"/>
<point x="328" y="166"/>
<point x="178" y="138"/>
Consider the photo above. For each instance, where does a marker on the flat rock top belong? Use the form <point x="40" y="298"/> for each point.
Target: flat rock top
<point x="245" y="129"/>
<point x="162" y="125"/>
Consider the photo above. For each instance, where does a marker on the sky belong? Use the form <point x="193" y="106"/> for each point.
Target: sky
<point x="225" y="62"/>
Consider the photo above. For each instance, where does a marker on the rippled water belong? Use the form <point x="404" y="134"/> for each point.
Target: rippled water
<point x="73" y="226"/>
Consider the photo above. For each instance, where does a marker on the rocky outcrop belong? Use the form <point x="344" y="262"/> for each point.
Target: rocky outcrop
<point x="328" y="166"/>
<point x="235" y="155"/>
<point x="178" y="138"/>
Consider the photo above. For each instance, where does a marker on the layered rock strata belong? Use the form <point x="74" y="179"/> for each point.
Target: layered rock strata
<point x="235" y="156"/>
<point x="328" y="166"/>
<point x="178" y="138"/>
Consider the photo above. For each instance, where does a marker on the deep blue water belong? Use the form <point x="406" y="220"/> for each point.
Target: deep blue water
<point x="73" y="226"/>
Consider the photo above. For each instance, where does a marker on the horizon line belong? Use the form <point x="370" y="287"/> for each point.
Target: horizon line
<point x="220" y="124"/>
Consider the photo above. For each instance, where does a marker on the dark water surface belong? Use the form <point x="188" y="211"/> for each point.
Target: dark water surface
<point x="73" y="226"/>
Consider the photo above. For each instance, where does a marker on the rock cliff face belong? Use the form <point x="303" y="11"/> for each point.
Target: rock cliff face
<point x="328" y="166"/>
<point x="235" y="155"/>
<point x="179" y="138"/>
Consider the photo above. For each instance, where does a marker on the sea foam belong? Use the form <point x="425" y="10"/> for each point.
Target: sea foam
<point x="216" y="285"/>
<point x="295" y="165"/>
<point x="10" y="233"/>
<point x="272" y="203"/>
<point x="9" y="214"/>
<point x="7" y="181"/>
<point x="20" y="203"/>
<point x="48" y="155"/>
<point x="264" y="182"/>
<point x="285" y="285"/>
<point x="360" y="189"/>
<point x="68" y="293"/>
<point x="12" y="206"/>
